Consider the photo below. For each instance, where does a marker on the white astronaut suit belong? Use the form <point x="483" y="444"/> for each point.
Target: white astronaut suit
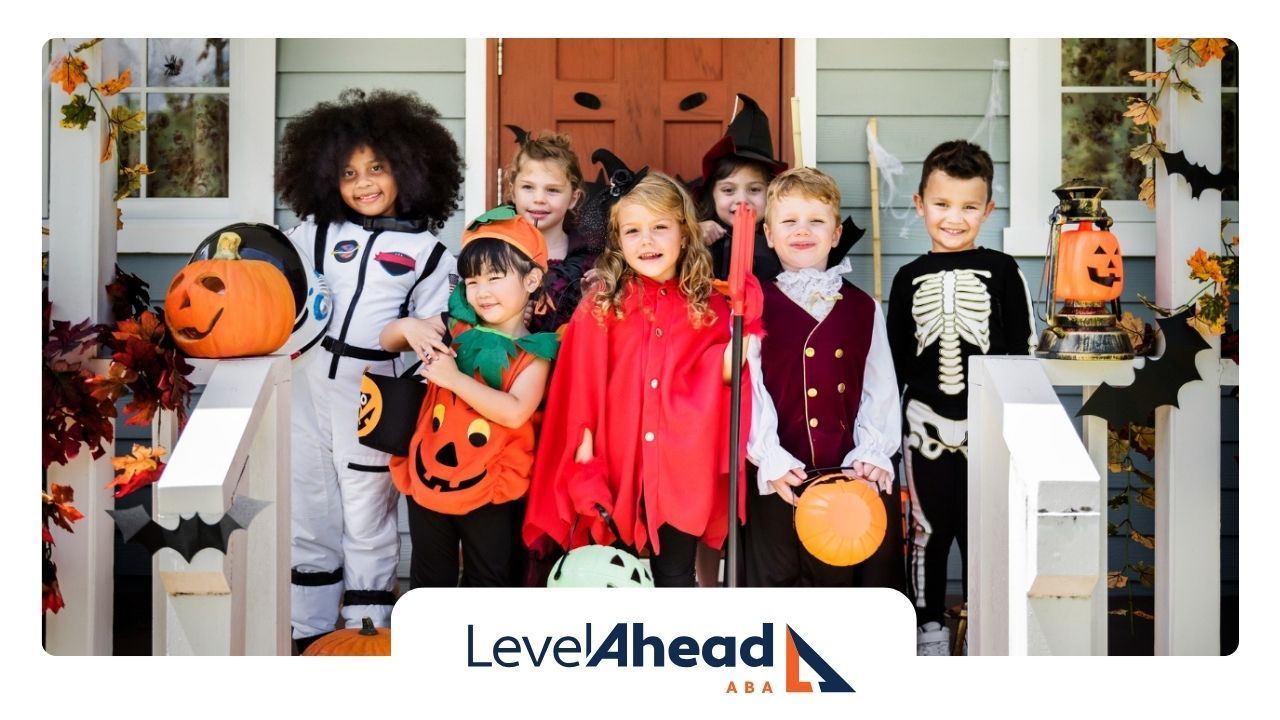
<point x="345" y="543"/>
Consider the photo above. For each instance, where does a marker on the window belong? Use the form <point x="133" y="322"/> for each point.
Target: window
<point x="210" y="136"/>
<point x="1068" y="98"/>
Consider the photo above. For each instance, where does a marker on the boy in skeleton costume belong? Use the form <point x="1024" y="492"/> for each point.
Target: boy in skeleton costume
<point x="824" y="393"/>
<point x="955" y="301"/>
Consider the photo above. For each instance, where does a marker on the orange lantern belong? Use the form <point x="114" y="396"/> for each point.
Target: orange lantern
<point x="1089" y="265"/>
<point x="840" y="520"/>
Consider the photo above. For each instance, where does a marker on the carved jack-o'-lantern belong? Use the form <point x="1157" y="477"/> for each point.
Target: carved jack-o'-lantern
<point x="1089" y="265"/>
<point x="840" y="520"/>
<point x="228" y="307"/>
<point x="458" y="460"/>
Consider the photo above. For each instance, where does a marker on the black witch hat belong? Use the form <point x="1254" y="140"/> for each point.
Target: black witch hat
<point x="748" y="137"/>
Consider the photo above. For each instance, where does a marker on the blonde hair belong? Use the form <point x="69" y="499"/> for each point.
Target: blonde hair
<point x="805" y="182"/>
<point x="554" y="147"/>
<point x="662" y="196"/>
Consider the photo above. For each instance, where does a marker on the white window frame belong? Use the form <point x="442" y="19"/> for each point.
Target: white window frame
<point x="1035" y="152"/>
<point x="176" y="225"/>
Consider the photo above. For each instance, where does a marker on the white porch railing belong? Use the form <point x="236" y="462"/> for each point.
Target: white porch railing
<point x="236" y="443"/>
<point x="1037" y="499"/>
<point x="1036" y="574"/>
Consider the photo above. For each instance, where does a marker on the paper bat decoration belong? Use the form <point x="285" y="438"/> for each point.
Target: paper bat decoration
<point x="192" y="534"/>
<point x="1198" y="176"/>
<point x="1157" y="382"/>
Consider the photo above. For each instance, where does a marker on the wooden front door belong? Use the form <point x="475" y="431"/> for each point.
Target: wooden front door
<point x="660" y="103"/>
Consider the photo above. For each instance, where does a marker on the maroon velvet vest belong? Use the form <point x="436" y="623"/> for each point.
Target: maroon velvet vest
<point x="814" y="372"/>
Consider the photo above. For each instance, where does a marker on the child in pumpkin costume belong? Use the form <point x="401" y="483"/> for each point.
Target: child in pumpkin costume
<point x="471" y="455"/>
<point x="637" y="417"/>
<point x="955" y="301"/>
<point x="829" y="397"/>
<point x="372" y="176"/>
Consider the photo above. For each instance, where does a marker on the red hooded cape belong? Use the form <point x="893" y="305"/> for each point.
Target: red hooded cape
<point x="650" y="388"/>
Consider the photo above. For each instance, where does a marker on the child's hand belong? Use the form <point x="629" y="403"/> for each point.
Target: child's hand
<point x="440" y="369"/>
<point x="711" y="231"/>
<point x="783" y="485"/>
<point x="425" y="337"/>
<point x="875" y="476"/>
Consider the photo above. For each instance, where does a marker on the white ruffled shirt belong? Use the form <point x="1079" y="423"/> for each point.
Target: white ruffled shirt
<point x="877" y="431"/>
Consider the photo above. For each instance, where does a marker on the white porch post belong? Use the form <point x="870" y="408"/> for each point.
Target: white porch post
<point x="1188" y="439"/>
<point x="82" y="255"/>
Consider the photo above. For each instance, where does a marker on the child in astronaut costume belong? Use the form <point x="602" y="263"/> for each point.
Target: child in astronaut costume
<point x="955" y="301"/>
<point x="372" y="176"/>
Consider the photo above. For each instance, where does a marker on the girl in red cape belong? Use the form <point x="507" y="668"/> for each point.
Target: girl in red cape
<point x="637" y="419"/>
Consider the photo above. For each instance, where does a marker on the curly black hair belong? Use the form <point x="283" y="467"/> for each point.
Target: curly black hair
<point x="401" y="129"/>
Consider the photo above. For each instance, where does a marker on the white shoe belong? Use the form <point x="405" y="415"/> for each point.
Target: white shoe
<point x="933" y="638"/>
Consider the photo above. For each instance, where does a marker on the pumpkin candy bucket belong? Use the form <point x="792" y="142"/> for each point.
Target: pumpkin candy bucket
<point x="597" y="566"/>
<point x="840" y="520"/>
<point x="362" y="641"/>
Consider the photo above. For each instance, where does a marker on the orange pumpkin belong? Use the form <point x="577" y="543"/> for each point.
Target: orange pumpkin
<point x="366" y="640"/>
<point x="1089" y="265"/>
<point x="840" y="520"/>
<point x="229" y="307"/>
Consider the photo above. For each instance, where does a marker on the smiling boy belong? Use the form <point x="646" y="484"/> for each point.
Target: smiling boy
<point x="827" y="370"/>
<point x="957" y="300"/>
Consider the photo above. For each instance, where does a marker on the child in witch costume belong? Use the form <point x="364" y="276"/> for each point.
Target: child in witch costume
<point x="737" y="170"/>
<point x="637" y="418"/>
<point x="955" y="301"/>
<point x="826" y="369"/>
<point x="546" y="187"/>
<point x="372" y="176"/>
<point x="470" y="457"/>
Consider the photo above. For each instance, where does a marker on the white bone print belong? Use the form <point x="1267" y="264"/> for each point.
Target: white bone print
<point x="948" y="306"/>
<point x="947" y="436"/>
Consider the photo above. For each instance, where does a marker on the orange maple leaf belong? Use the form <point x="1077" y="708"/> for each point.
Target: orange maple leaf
<point x="116" y="84"/>
<point x="1166" y="43"/>
<point x="146" y="327"/>
<point x="142" y="460"/>
<point x="70" y="71"/>
<point x="63" y="513"/>
<point x="1142" y="112"/>
<point x="1209" y="49"/>
<point x="1204" y="267"/>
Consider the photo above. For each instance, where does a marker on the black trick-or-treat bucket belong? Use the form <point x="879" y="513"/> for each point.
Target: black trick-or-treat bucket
<point x="389" y="408"/>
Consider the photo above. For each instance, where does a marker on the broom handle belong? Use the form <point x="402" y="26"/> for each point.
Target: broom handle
<point x="875" y="212"/>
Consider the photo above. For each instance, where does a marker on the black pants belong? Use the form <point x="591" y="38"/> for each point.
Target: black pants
<point x="939" y="515"/>
<point x="488" y="535"/>
<point x="673" y="567"/>
<point x="775" y="557"/>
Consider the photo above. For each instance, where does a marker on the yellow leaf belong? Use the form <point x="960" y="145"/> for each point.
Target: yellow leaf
<point x="115" y="85"/>
<point x="1147" y="498"/>
<point x="108" y="146"/>
<point x="1117" y="451"/>
<point x="1145" y="541"/>
<point x="1209" y="48"/>
<point x="1147" y="192"/>
<point x="69" y="71"/>
<point x="142" y="460"/>
<point x="1142" y="112"/>
<point x="1137" y="329"/>
<point x="128" y="121"/>
<point x="1141" y="76"/>
<point x="1205" y="267"/>
<point x="1205" y="327"/>
<point x="1144" y="438"/>
<point x="1117" y="579"/>
<point x="1147" y="152"/>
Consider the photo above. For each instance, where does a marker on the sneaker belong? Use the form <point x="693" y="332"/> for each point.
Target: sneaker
<point x="933" y="638"/>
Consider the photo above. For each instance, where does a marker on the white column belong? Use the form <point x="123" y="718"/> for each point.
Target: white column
<point x="82" y="255"/>
<point x="1188" y="438"/>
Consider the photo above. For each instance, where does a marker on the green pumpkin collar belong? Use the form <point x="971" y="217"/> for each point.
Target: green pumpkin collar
<point x="487" y="350"/>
